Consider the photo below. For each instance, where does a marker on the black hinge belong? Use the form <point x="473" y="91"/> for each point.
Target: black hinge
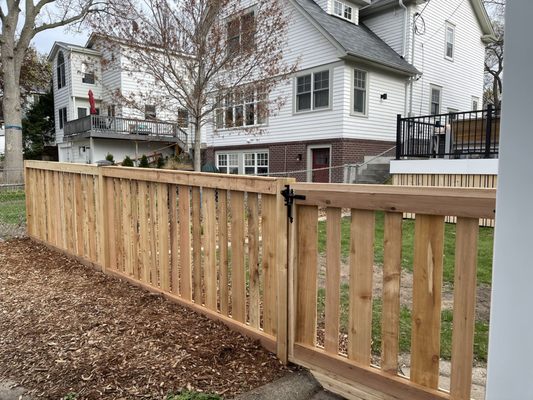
<point x="289" y="196"/>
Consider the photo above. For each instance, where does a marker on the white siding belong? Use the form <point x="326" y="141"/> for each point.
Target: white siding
<point x="122" y="148"/>
<point x="460" y="79"/>
<point x="80" y="89"/>
<point x="62" y="96"/>
<point x="308" y="46"/>
<point x="380" y="121"/>
<point x="389" y="26"/>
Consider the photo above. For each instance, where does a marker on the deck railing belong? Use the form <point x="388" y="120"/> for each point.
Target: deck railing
<point x="223" y="246"/>
<point x="124" y="126"/>
<point x="471" y="134"/>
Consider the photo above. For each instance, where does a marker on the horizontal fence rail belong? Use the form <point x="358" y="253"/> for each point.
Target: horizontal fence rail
<point x="222" y="245"/>
<point x="471" y="134"/>
<point x="215" y="244"/>
<point x="124" y="126"/>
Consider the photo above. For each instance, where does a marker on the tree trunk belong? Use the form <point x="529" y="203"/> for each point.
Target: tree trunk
<point x="197" y="147"/>
<point x="13" y="164"/>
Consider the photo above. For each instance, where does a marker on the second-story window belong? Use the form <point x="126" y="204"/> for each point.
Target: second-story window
<point x="87" y="74"/>
<point x="342" y="10"/>
<point x="149" y="112"/>
<point x="60" y="70"/>
<point x="241" y="33"/>
<point x="450" y="41"/>
<point x="312" y="91"/>
<point x="62" y="117"/>
<point x="183" y="118"/>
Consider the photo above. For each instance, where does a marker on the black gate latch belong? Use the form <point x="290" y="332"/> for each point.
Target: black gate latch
<point x="289" y="196"/>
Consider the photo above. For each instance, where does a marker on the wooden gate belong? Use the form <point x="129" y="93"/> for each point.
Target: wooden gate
<point x="331" y="333"/>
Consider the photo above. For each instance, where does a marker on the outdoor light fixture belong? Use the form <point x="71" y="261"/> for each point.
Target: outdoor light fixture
<point x="299" y="157"/>
<point x="384" y="96"/>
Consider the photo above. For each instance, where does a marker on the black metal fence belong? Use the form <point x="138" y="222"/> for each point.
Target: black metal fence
<point x="125" y="126"/>
<point x="470" y="134"/>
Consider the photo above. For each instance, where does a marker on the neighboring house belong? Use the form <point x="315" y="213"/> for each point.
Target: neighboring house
<point x="357" y="72"/>
<point x="115" y="128"/>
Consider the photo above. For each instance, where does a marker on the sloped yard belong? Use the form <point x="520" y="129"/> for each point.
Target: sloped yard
<point x="68" y="330"/>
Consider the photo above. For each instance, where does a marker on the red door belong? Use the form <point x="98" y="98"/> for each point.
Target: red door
<point x="321" y="158"/>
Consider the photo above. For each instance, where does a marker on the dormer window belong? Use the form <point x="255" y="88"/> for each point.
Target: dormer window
<point x="343" y="10"/>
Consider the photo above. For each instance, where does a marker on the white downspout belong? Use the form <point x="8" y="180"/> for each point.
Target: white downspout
<point x="404" y="50"/>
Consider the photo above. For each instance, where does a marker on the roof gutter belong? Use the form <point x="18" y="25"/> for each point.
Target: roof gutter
<point x="383" y="66"/>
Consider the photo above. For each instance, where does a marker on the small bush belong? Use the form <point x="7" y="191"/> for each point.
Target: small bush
<point x="70" y="396"/>
<point x="160" y="162"/>
<point x="144" y="162"/>
<point x="193" y="396"/>
<point x="128" y="162"/>
<point x="110" y="158"/>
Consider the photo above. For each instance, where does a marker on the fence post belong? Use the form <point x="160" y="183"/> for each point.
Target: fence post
<point x="283" y="263"/>
<point x="398" y="136"/>
<point x="103" y="221"/>
<point x="488" y="131"/>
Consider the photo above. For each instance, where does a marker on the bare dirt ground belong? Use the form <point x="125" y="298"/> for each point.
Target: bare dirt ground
<point x="65" y="328"/>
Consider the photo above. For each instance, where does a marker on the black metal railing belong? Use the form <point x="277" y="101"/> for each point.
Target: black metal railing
<point x="124" y="126"/>
<point x="470" y="134"/>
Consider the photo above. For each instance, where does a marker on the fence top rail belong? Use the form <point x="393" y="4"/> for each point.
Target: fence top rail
<point x="459" y="202"/>
<point x="263" y="185"/>
<point x="85" y="169"/>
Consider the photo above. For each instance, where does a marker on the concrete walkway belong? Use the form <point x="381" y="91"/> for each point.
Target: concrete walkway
<point x="8" y="392"/>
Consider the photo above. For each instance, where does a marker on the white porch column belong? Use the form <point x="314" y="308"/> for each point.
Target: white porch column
<point x="510" y="374"/>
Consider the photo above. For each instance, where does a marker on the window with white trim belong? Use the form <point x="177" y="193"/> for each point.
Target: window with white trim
<point x="62" y="117"/>
<point x="244" y="162"/>
<point x="241" y="108"/>
<point x="343" y="10"/>
<point x="313" y="91"/>
<point x="228" y="163"/>
<point x="60" y="70"/>
<point x="256" y="163"/>
<point x="450" y="41"/>
<point x="241" y="33"/>
<point x="435" y="98"/>
<point x="360" y="90"/>
<point x="475" y="103"/>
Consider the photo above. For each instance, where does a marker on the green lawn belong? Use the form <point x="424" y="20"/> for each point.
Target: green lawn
<point x="481" y="331"/>
<point x="485" y="247"/>
<point x="12" y="207"/>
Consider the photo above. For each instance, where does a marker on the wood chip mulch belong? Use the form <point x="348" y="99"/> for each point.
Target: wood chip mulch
<point x="65" y="328"/>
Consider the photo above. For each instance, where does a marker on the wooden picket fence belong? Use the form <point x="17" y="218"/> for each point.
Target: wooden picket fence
<point x="223" y="246"/>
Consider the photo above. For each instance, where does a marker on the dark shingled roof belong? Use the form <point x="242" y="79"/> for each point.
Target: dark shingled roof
<point x="357" y="40"/>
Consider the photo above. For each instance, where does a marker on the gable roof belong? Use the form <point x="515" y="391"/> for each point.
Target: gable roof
<point x="353" y="40"/>
<point x="479" y="9"/>
<point x="70" y="47"/>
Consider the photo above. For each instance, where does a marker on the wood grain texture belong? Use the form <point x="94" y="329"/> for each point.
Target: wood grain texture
<point x="333" y="279"/>
<point x="427" y="299"/>
<point x="154" y="230"/>
<point x="174" y="239"/>
<point x="210" y="248"/>
<point x="306" y="275"/>
<point x="164" y="235"/>
<point x="223" y="240"/>
<point x="390" y="318"/>
<point x="144" y="232"/>
<point x="197" y="246"/>
<point x="253" y="260"/>
<point x="360" y="291"/>
<point x="464" y="307"/>
<point x="184" y="215"/>
<point x="269" y="234"/>
<point x="238" y="273"/>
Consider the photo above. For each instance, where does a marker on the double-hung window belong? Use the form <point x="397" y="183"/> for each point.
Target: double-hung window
<point x="342" y="10"/>
<point x="228" y="163"/>
<point x="313" y="91"/>
<point x="241" y="33"/>
<point x="450" y="41"/>
<point x="436" y="96"/>
<point x="360" y="90"/>
<point x="241" y="108"/>
<point x="183" y="118"/>
<point x="256" y="163"/>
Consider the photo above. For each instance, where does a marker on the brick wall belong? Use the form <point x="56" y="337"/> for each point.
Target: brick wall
<point x="292" y="156"/>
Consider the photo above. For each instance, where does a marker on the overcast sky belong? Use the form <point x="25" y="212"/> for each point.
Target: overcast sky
<point x="43" y="41"/>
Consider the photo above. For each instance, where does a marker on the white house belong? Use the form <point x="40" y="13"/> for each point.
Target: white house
<point x="114" y="127"/>
<point x="362" y="63"/>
